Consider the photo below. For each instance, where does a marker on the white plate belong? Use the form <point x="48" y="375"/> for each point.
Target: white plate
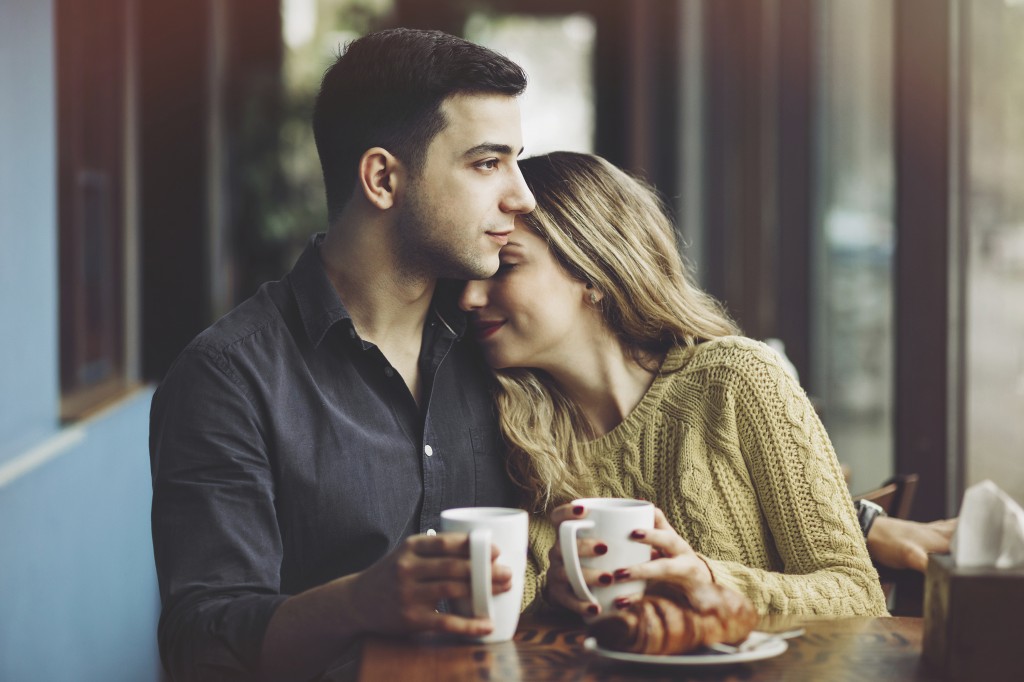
<point x="769" y="649"/>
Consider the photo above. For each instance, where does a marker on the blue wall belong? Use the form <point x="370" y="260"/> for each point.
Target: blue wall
<point x="78" y="596"/>
<point x="28" y="219"/>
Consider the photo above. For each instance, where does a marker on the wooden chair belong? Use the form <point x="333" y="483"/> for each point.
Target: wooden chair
<point x="895" y="497"/>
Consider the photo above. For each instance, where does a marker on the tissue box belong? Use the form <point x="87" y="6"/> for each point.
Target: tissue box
<point x="973" y="620"/>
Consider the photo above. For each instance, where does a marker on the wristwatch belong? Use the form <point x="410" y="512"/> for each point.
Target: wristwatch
<point x="867" y="512"/>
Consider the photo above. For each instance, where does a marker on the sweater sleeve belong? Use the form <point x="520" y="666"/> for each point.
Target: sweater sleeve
<point x="802" y="495"/>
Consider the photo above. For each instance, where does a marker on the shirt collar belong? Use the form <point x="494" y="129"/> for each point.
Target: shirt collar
<point x="318" y="302"/>
<point x="320" y="307"/>
<point x="445" y="306"/>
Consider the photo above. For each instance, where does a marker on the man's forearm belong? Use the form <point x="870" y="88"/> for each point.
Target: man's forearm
<point x="309" y="631"/>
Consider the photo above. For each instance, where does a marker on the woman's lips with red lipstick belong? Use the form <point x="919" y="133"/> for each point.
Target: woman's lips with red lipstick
<point x="487" y="328"/>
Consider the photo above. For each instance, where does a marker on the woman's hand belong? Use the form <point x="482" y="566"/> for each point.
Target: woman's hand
<point x="671" y="556"/>
<point x="557" y="589"/>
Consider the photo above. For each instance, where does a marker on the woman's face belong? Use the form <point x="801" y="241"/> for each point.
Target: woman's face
<point x="531" y="313"/>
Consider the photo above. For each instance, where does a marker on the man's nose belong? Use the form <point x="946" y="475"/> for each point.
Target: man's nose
<point x="474" y="295"/>
<point x="519" y="199"/>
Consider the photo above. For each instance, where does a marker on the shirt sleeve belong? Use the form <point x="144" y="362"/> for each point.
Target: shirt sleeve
<point x="804" y="500"/>
<point x="216" y="540"/>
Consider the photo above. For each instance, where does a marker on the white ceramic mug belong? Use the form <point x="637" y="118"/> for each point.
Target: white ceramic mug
<point x="507" y="529"/>
<point x="612" y="521"/>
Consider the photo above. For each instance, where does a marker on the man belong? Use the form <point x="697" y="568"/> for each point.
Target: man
<point x="304" y="446"/>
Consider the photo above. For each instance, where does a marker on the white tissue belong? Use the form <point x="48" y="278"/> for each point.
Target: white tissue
<point x="990" y="532"/>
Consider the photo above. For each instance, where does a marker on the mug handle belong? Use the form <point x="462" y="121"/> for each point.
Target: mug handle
<point x="480" y="572"/>
<point x="571" y="556"/>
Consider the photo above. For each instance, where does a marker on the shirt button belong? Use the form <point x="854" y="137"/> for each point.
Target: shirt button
<point x="428" y="451"/>
<point x="431" y="531"/>
<point x="389" y="372"/>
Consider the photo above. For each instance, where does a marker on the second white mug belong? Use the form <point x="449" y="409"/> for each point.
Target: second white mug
<point x="612" y="521"/>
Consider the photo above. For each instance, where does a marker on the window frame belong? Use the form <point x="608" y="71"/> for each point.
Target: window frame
<point x="96" y="187"/>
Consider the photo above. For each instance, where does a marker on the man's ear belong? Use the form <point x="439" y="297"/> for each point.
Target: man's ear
<point x="379" y="175"/>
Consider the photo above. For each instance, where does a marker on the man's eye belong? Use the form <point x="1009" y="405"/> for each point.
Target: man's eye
<point x="489" y="164"/>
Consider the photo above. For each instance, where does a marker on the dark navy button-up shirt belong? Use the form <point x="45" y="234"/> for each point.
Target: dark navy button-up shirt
<point x="286" y="452"/>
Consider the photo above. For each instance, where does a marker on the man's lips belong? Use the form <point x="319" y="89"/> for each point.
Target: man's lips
<point x="487" y="328"/>
<point x="500" y="237"/>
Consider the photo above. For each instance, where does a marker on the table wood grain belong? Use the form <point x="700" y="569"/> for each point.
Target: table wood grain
<point x="550" y="649"/>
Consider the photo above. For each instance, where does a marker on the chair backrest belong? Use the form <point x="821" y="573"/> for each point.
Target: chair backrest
<point x="895" y="496"/>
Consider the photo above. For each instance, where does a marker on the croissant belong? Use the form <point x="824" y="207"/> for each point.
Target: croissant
<point x="675" y="617"/>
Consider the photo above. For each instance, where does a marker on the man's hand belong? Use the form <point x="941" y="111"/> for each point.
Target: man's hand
<point x="399" y="594"/>
<point x="898" y="543"/>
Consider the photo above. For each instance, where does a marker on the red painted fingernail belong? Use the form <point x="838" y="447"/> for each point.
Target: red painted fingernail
<point x="622" y="574"/>
<point x="578" y="509"/>
<point x="593" y="610"/>
<point x="638" y="535"/>
<point x="600" y="548"/>
<point x="605" y="579"/>
<point x="621" y="602"/>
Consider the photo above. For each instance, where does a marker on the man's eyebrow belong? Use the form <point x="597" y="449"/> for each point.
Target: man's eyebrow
<point x="493" y="148"/>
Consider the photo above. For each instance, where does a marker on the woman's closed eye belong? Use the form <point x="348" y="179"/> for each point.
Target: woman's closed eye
<point x="504" y="268"/>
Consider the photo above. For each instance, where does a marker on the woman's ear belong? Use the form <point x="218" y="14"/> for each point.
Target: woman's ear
<point x="379" y="171"/>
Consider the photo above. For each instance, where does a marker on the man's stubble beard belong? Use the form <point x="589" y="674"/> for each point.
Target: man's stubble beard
<point x="424" y="253"/>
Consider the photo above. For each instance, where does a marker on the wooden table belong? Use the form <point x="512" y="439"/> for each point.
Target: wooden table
<point x="550" y="649"/>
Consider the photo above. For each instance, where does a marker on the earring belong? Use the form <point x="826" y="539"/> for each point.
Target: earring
<point x="593" y="298"/>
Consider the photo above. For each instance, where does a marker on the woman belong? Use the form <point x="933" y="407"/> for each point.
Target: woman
<point x="619" y="378"/>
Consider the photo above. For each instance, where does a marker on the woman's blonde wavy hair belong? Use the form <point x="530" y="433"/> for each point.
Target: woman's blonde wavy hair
<point x="610" y="230"/>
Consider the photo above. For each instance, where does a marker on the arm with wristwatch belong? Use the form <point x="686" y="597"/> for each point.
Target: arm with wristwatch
<point x="899" y="543"/>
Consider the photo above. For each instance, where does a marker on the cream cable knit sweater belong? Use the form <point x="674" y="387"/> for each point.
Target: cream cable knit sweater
<point x="728" y="445"/>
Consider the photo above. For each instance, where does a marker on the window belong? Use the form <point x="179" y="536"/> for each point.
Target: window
<point x="995" y="230"/>
<point x="557" y="52"/>
<point x="92" y="119"/>
<point x="855" y="240"/>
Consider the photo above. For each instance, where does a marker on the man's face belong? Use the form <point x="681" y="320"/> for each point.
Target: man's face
<point x="458" y="211"/>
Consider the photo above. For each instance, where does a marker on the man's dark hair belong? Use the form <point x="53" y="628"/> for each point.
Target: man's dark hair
<point x="386" y="90"/>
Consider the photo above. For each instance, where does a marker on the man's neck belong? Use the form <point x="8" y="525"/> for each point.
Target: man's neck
<point x="388" y="307"/>
<point x="382" y="298"/>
